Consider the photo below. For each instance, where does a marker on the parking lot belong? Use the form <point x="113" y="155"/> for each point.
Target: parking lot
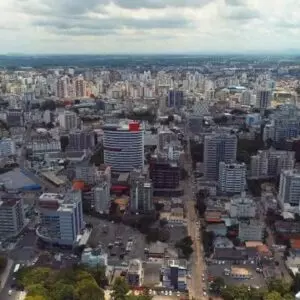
<point x="256" y="279"/>
<point x="115" y="238"/>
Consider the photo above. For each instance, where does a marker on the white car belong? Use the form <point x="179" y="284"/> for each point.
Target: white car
<point x="204" y="294"/>
<point x="166" y="293"/>
<point x="178" y="294"/>
<point x="170" y="293"/>
<point x="10" y="292"/>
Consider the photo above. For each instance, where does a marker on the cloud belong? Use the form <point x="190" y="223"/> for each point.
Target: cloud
<point x="101" y="26"/>
<point x="104" y="26"/>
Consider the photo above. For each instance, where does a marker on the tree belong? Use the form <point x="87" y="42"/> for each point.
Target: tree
<point x="99" y="275"/>
<point x="35" y="298"/>
<point x="3" y="263"/>
<point x="120" y="289"/>
<point x="217" y="285"/>
<point x="36" y="290"/>
<point x="185" y="245"/>
<point x="63" y="291"/>
<point x="273" y="296"/>
<point x="280" y="286"/>
<point x="88" y="289"/>
<point x="64" y="142"/>
<point x="296" y="283"/>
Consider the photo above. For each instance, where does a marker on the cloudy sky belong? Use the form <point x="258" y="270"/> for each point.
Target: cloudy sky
<point x="148" y="26"/>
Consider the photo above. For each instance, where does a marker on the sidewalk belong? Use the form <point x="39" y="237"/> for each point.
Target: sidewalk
<point x="4" y="276"/>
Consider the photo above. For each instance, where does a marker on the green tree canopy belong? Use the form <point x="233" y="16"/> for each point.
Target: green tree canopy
<point x="273" y="296"/>
<point x="88" y="290"/>
<point x="120" y="289"/>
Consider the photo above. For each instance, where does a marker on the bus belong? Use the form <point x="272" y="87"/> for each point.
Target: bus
<point x="17" y="267"/>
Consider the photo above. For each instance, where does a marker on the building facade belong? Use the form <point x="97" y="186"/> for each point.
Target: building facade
<point x="289" y="188"/>
<point x="124" y="146"/>
<point x="218" y="147"/>
<point x="242" y="207"/>
<point x="251" y="230"/>
<point x="232" y="177"/>
<point x="61" y="217"/>
<point x="12" y="215"/>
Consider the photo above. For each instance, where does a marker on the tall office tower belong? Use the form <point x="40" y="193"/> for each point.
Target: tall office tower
<point x="164" y="174"/>
<point x="68" y="120"/>
<point x="102" y="197"/>
<point x="61" y="217"/>
<point x="12" y="216"/>
<point x="166" y="137"/>
<point x="218" y="147"/>
<point x="175" y="99"/>
<point x="289" y="188"/>
<point x="280" y="160"/>
<point x="232" y="177"/>
<point x="15" y="117"/>
<point x="245" y="97"/>
<point x="271" y="162"/>
<point x="201" y="107"/>
<point x="81" y="140"/>
<point x="80" y="87"/>
<point x="86" y="173"/>
<point x="62" y="87"/>
<point x="141" y="194"/>
<point x="259" y="164"/>
<point x="124" y="146"/>
<point x="7" y="147"/>
<point x="263" y="99"/>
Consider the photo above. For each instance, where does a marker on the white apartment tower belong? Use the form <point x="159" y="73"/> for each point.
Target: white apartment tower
<point x="68" y="120"/>
<point x="102" y="198"/>
<point x="289" y="188"/>
<point x="232" y="177"/>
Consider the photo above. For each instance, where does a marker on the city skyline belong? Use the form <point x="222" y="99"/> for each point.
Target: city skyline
<point x="145" y="27"/>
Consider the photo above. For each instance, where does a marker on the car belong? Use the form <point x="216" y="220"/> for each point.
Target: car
<point x="150" y="292"/>
<point x="204" y="294"/>
<point x="170" y="293"/>
<point x="166" y="293"/>
<point x="10" y="292"/>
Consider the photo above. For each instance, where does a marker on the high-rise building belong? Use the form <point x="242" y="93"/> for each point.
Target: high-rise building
<point x="242" y="207"/>
<point x="164" y="174"/>
<point x="251" y="230"/>
<point x="218" y="147"/>
<point x="12" y="216"/>
<point x="15" y="118"/>
<point x="174" y="275"/>
<point x="175" y="99"/>
<point x="102" y="197"/>
<point x="289" y="188"/>
<point x="81" y="140"/>
<point x="263" y="99"/>
<point x="246" y="97"/>
<point x="80" y="87"/>
<point x="68" y="120"/>
<point x="232" y="177"/>
<point x="124" y="146"/>
<point x="7" y="147"/>
<point x="141" y="193"/>
<point x="61" y="217"/>
<point x="270" y="163"/>
<point x="166" y="137"/>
